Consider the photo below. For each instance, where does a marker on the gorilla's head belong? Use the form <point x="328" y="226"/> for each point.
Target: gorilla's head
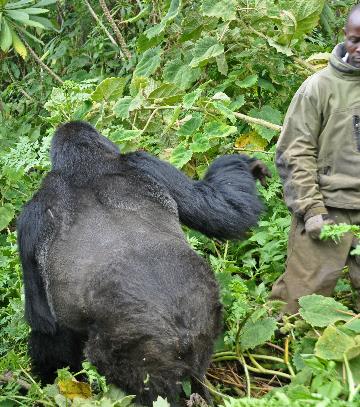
<point x="77" y="146"/>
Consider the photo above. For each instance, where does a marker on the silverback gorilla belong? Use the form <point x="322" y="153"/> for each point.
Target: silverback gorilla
<point x="108" y="273"/>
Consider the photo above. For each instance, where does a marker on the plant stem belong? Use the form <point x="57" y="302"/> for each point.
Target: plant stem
<point x="40" y="62"/>
<point x="116" y="30"/>
<point x="97" y="19"/>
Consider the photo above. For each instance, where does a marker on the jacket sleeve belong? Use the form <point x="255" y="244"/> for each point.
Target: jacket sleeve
<point x="296" y="155"/>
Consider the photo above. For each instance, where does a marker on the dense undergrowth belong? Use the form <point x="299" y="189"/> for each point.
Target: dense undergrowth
<point x="186" y="81"/>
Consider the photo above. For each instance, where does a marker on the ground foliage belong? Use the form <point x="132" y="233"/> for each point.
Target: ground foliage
<point x="186" y="81"/>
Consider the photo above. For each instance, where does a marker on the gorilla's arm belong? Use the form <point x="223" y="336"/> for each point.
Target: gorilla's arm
<point x="223" y="205"/>
<point x="36" y="225"/>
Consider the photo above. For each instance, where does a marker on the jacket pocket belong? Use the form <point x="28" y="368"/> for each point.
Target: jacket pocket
<point x="356" y="129"/>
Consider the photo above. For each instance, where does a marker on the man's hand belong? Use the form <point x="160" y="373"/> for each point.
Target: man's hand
<point x="314" y="225"/>
<point x="260" y="171"/>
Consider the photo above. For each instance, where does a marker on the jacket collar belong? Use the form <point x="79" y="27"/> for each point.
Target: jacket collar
<point x="337" y="62"/>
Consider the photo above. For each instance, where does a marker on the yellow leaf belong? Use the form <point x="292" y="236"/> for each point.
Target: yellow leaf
<point x="251" y="140"/>
<point x="18" y="45"/>
<point x="72" y="388"/>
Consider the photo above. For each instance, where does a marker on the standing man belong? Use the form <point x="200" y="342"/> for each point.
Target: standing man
<point x="318" y="159"/>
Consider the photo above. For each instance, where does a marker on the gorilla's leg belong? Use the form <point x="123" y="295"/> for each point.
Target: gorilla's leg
<point x="135" y="367"/>
<point x="51" y="352"/>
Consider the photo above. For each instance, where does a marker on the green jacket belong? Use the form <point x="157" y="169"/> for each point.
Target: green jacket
<point x="318" y="152"/>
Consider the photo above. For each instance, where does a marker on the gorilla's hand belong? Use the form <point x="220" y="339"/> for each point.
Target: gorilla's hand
<point x="260" y="171"/>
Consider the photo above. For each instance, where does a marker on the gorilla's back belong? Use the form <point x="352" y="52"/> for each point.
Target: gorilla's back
<point x="124" y="256"/>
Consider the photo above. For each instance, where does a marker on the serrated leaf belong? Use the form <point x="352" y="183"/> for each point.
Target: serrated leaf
<point x="149" y="62"/>
<point x="221" y="96"/>
<point x="224" y="111"/>
<point x="200" y="143"/>
<point x="173" y="11"/>
<point x="180" y="74"/>
<point x="166" y="93"/>
<point x="191" y="98"/>
<point x="280" y="48"/>
<point x="257" y="333"/>
<point x="224" y="9"/>
<point x="191" y="125"/>
<point x="322" y="311"/>
<point x="222" y="64"/>
<point x="237" y="103"/>
<point x="248" y="82"/>
<point x="109" y="89"/>
<point x="269" y="114"/>
<point x="333" y="344"/>
<point x="121" y="135"/>
<point x="125" y="105"/>
<point x="216" y="129"/>
<point x="5" y="36"/>
<point x="205" y="49"/>
<point x="7" y="214"/>
<point x="180" y="156"/>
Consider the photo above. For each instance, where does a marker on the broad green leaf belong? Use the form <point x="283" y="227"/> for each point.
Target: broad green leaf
<point x="257" y="333"/>
<point x="182" y="75"/>
<point x="45" y="22"/>
<point x="191" y="98"/>
<point x="224" y="9"/>
<point x="237" y="103"/>
<point x="267" y="85"/>
<point x="167" y="93"/>
<point x="205" y="49"/>
<point x="173" y="11"/>
<point x="217" y="129"/>
<point x="160" y="402"/>
<point x="200" y="143"/>
<point x="109" y="89"/>
<point x="121" y="135"/>
<point x="7" y="214"/>
<point x="191" y="125"/>
<point x="180" y="156"/>
<point x="125" y="105"/>
<point x="149" y="62"/>
<point x="333" y="344"/>
<point x="224" y="111"/>
<point x="18" y="45"/>
<point x="222" y="64"/>
<point x="353" y="325"/>
<point x="248" y="82"/>
<point x="17" y="15"/>
<point x="280" y="48"/>
<point x="35" y="10"/>
<point x="44" y="3"/>
<point x="5" y="36"/>
<point x="269" y="114"/>
<point x="322" y="311"/>
<point x="18" y="4"/>
<point x="144" y="43"/>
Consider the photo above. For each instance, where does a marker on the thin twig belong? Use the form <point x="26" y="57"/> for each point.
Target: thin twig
<point x="97" y="19"/>
<point x="116" y="30"/>
<point x="40" y="62"/>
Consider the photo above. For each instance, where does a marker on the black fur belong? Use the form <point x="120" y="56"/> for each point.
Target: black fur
<point x="108" y="274"/>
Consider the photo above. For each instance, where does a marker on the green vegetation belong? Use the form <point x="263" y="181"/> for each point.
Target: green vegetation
<point x="186" y="81"/>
